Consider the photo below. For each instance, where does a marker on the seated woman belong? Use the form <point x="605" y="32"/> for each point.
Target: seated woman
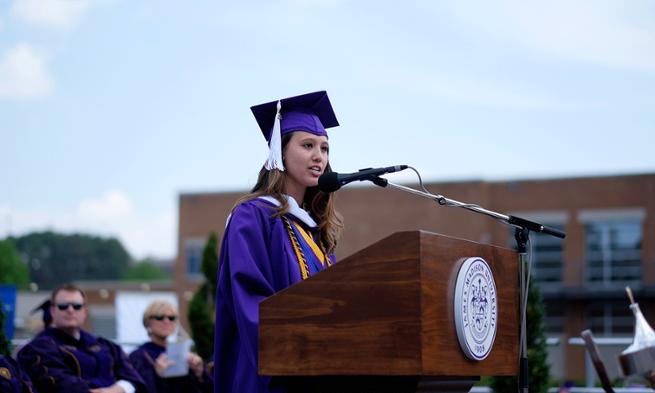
<point x="150" y="360"/>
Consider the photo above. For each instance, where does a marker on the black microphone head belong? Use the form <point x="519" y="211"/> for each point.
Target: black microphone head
<point x="329" y="182"/>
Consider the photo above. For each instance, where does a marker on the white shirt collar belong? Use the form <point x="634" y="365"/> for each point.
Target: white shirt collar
<point x="294" y="209"/>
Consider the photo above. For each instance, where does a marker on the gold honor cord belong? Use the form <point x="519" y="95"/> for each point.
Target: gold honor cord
<point x="304" y="270"/>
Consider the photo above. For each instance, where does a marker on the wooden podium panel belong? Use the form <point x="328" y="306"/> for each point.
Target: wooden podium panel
<point x="440" y="260"/>
<point x="387" y="310"/>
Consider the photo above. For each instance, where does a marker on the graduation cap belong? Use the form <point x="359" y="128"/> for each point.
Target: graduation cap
<point x="311" y="112"/>
<point x="47" y="316"/>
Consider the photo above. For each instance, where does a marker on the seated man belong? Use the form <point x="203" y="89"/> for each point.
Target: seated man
<point x="65" y="358"/>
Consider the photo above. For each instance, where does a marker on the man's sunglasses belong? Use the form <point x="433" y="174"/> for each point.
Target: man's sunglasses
<point x="64" y="306"/>
<point x="171" y="318"/>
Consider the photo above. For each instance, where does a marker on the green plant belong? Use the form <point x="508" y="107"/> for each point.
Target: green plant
<point x="202" y="305"/>
<point x="539" y="370"/>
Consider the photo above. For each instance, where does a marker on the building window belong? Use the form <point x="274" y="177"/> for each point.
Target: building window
<point x="613" y="251"/>
<point x="554" y="317"/>
<point x="610" y="318"/>
<point x="546" y="251"/>
<point x="193" y="248"/>
<point x="547" y="257"/>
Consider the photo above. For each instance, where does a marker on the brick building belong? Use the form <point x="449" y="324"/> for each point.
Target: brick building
<point x="610" y="243"/>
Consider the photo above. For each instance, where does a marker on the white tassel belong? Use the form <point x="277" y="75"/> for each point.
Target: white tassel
<point x="274" y="160"/>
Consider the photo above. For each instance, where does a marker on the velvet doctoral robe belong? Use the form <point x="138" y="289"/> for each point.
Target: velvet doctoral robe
<point x="58" y="362"/>
<point x="12" y="377"/>
<point x="143" y="359"/>
<point x="257" y="260"/>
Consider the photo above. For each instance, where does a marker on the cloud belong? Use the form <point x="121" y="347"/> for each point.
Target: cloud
<point x="109" y="214"/>
<point x="471" y="89"/>
<point x="110" y="206"/>
<point x="609" y="33"/>
<point x="56" y="14"/>
<point x="23" y="74"/>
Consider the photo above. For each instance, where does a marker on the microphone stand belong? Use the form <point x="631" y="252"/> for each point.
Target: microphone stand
<point x="522" y="228"/>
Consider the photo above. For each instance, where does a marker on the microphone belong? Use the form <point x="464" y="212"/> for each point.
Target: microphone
<point x="330" y="182"/>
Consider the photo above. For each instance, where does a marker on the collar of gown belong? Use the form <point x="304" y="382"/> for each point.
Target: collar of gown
<point x="294" y="209"/>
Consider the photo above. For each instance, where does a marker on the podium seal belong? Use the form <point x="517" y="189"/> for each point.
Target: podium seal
<point x="476" y="308"/>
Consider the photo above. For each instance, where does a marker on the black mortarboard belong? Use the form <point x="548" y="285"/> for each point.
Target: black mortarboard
<point x="47" y="316"/>
<point x="311" y="112"/>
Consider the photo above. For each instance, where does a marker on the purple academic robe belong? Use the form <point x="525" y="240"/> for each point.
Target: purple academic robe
<point x="12" y="377"/>
<point x="58" y="362"/>
<point x="143" y="360"/>
<point x="257" y="260"/>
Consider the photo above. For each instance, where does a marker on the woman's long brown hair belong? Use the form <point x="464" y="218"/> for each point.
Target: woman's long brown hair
<point x="319" y="203"/>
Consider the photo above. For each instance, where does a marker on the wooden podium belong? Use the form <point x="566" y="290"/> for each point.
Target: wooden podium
<point x="382" y="320"/>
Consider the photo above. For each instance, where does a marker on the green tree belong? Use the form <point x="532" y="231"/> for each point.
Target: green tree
<point x="14" y="270"/>
<point x="539" y="373"/>
<point x="201" y="319"/>
<point x="209" y="264"/>
<point x="202" y="306"/>
<point x="54" y="258"/>
<point x="146" y="270"/>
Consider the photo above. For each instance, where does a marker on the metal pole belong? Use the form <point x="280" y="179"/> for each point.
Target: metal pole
<point x="442" y="200"/>
<point x="522" y="236"/>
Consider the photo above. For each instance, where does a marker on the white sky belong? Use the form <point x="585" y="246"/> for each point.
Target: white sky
<point x="110" y="108"/>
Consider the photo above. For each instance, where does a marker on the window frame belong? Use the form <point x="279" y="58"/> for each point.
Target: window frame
<point x="606" y="220"/>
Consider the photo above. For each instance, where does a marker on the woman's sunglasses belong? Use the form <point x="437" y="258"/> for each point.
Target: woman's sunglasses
<point x="171" y="318"/>
<point x="64" y="306"/>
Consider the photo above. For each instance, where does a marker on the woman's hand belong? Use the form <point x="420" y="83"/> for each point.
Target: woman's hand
<point x="195" y="364"/>
<point x="162" y="363"/>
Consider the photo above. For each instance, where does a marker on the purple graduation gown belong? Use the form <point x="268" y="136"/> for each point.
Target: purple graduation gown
<point x="143" y="359"/>
<point x="12" y="377"/>
<point x="257" y="260"/>
<point x="58" y="362"/>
